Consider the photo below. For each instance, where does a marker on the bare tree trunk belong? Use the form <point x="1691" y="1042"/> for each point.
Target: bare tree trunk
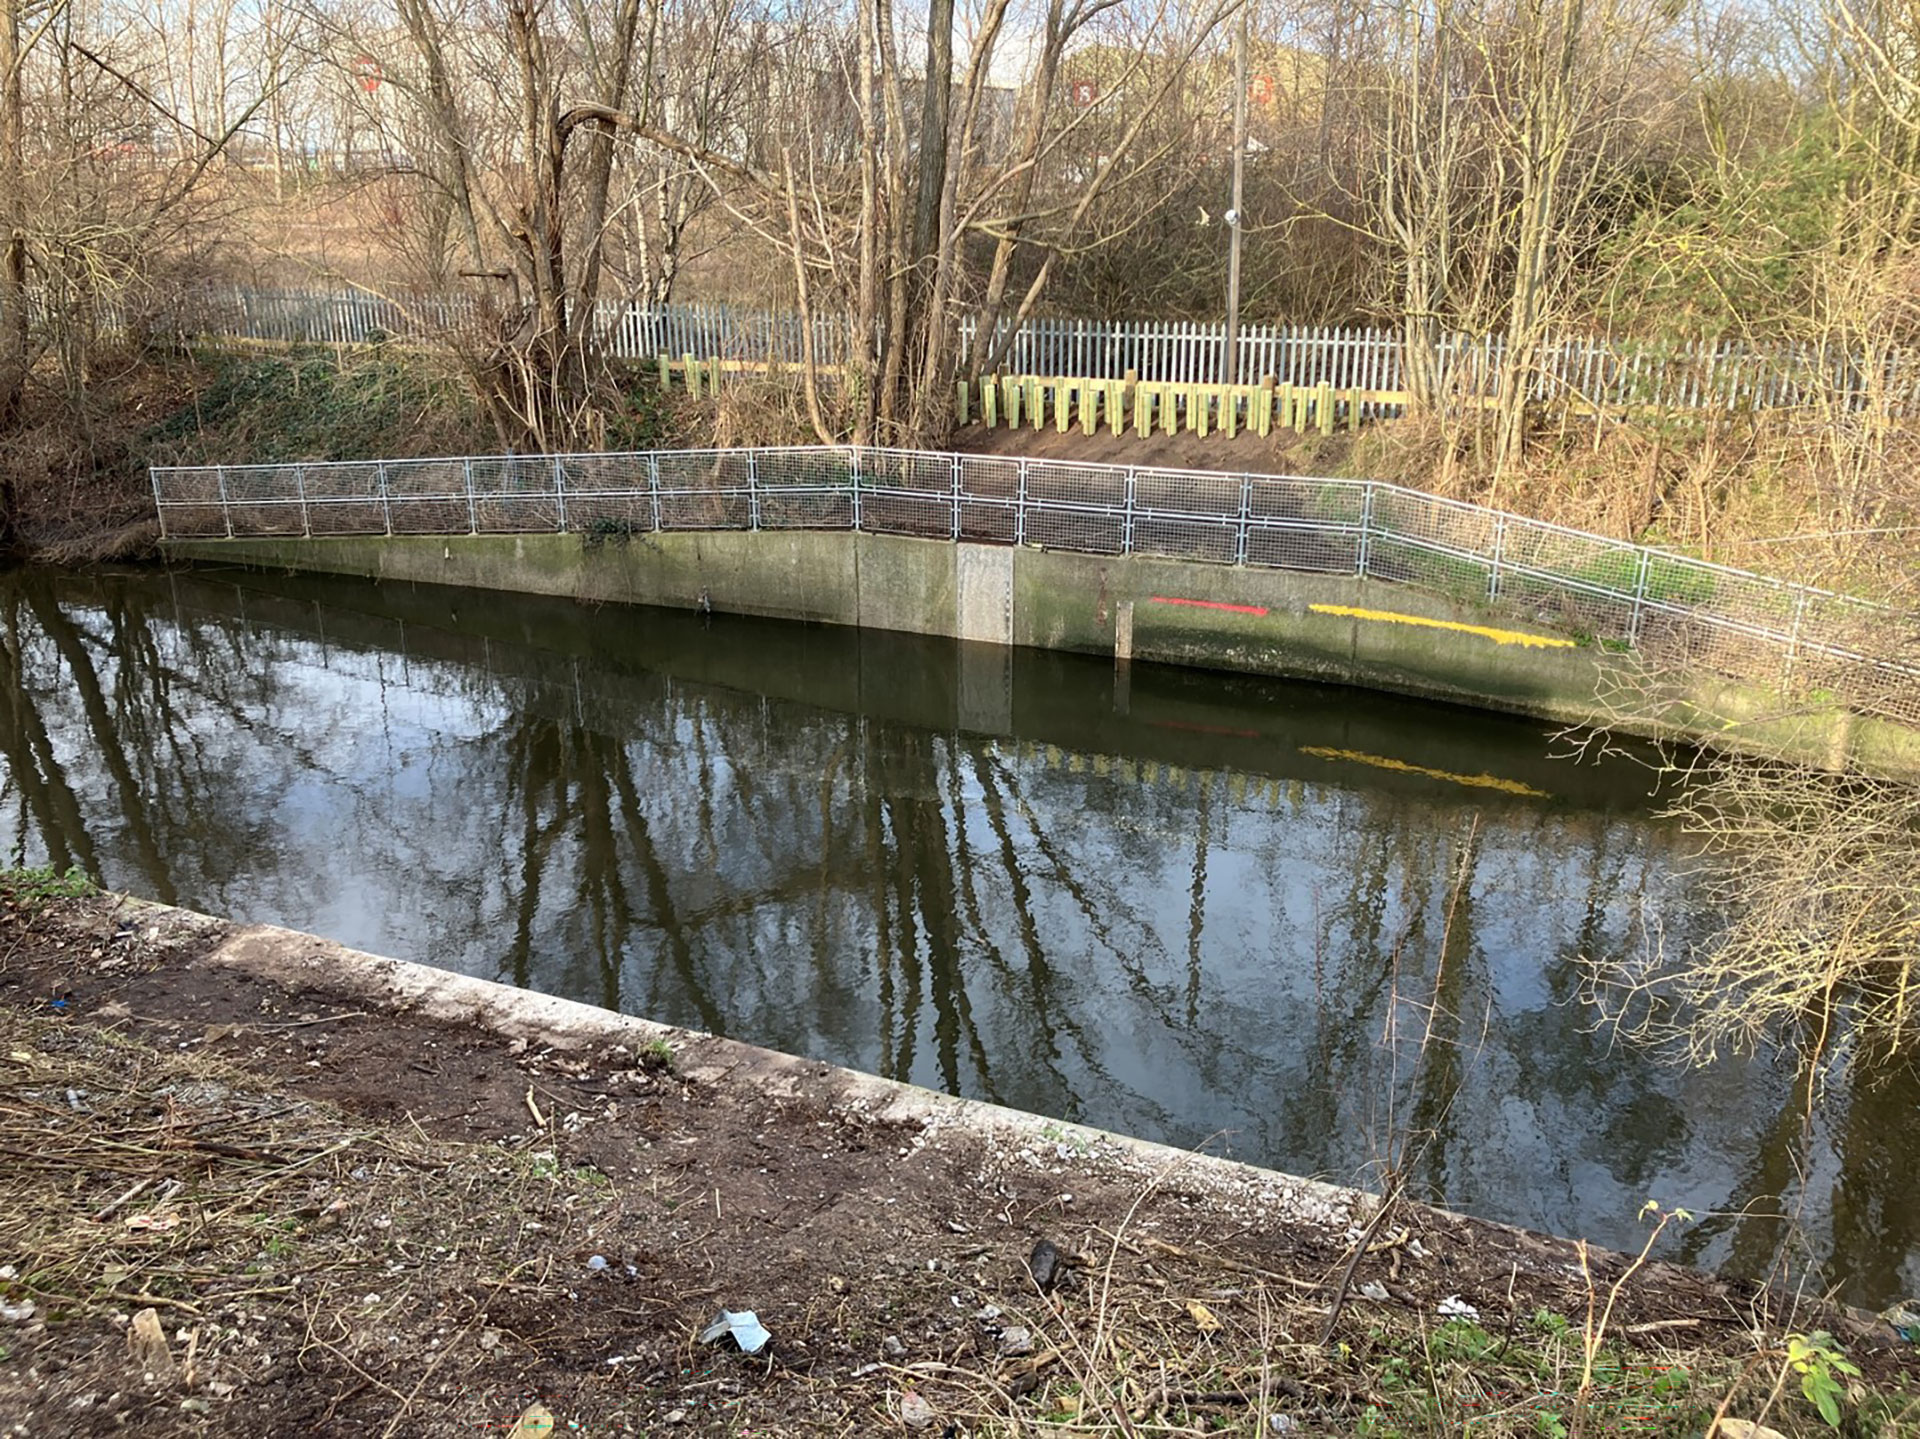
<point x="1172" y="76"/>
<point x="538" y="229"/>
<point x="617" y="79"/>
<point x="989" y="349"/>
<point x="810" y="372"/>
<point x="933" y="127"/>
<point x="937" y="364"/>
<point x="443" y="119"/>
<point x="899" y="224"/>
<point x="13" y="227"/>
<point x="867" y="302"/>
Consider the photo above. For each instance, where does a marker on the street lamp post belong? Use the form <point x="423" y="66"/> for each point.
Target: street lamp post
<point x="1230" y="348"/>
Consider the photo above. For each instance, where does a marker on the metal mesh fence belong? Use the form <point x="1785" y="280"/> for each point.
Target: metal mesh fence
<point x="990" y="503"/>
<point x="1185" y="515"/>
<point x="910" y="492"/>
<point x="703" y="489"/>
<point x="1674" y="610"/>
<point x="1077" y="507"/>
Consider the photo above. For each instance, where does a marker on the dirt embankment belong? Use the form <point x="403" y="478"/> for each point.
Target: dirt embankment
<point x="75" y="466"/>
<point x="235" y="1204"/>
<point x="1757" y="491"/>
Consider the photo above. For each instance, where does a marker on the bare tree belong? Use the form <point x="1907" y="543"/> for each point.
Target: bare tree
<point x="13" y="220"/>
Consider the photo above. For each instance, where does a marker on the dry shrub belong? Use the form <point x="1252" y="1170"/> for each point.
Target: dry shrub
<point x="753" y="409"/>
<point x="1814" y="876"/>
<point x="1821" y="496"/>
<point x="1416" y="451"/>
<point x="126" y="543"/>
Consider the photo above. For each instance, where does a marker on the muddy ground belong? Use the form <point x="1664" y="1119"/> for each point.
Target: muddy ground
<point x="347" y="1221"/>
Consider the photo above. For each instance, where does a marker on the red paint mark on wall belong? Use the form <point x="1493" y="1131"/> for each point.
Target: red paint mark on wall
<point x="1205" y="728"/>
<point x="1210" y="605"/>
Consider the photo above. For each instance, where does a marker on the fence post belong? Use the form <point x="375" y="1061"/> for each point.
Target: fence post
<point x="953" y="463"/>
<point x="1126" y="531"/>
<point x="753" y="490"/>
<point x="1793" y="639"/>
<point x="226" y="510"/>
<point x="473" y="505"/>
<point x="653" y="486"/>
<point x="1639" y="596"/>
<point x="560" y="493"/>
<point x="1020" y="506"/>
<point x="1366" y="526"/>
<point x="386" y="502"/>
<point x="300" y="488"/>
<point x="1499" y="552"/>
<point x="1246" y="517"/>
<point x="159" y="505"/>
<point x="853" y="474"/>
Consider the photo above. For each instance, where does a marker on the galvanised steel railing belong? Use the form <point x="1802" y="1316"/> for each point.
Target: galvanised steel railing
<point x="1680" y="612"/>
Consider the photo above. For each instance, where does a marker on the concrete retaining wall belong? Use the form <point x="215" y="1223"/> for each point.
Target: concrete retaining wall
<point x="1274" y="622"/>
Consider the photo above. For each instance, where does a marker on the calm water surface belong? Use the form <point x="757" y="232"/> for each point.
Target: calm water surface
<point x="1304" y="926"/>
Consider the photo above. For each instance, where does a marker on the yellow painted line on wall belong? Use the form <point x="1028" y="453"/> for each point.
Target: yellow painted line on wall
<point x="1499" y="637"/>
<point x="1400" y="766"/>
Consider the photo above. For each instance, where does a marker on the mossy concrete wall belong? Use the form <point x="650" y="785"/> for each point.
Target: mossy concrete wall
<point x="1275" y="622"/>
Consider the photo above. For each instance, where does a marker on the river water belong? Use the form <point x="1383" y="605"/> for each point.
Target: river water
<point x="1313" y="928"/>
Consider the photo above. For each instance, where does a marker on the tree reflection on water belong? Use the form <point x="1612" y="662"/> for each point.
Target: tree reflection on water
<point x="1172" y="907"/>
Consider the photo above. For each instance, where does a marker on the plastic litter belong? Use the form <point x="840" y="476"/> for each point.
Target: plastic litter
<point x="915" y="1412"/>
<point x="1904" y="1318"/>
<point x="536" y="1423"/>
<point x="1454" y="1307"/>
<point x="745" y="1327"/>
<point x="597" y="1263"/>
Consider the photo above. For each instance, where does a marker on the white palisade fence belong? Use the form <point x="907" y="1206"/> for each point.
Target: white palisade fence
<point x="1587" y="372"/>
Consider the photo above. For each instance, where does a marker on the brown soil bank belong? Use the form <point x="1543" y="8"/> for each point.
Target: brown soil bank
<point x="74" y="468"/>
<point x="1776" y="492"/>
<point x="257" y="1184"/>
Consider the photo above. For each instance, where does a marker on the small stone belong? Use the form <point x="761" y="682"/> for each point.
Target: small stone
<point x="892" y="1347"/>
<point x="1015" y="1341"/>
<point x="597" y="1263"/>
<point x="1376" y="1291"/>
<point x="915" y="1412"/>
<point x="1044" y="1264"/>
<point x="676" y="1416"/>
